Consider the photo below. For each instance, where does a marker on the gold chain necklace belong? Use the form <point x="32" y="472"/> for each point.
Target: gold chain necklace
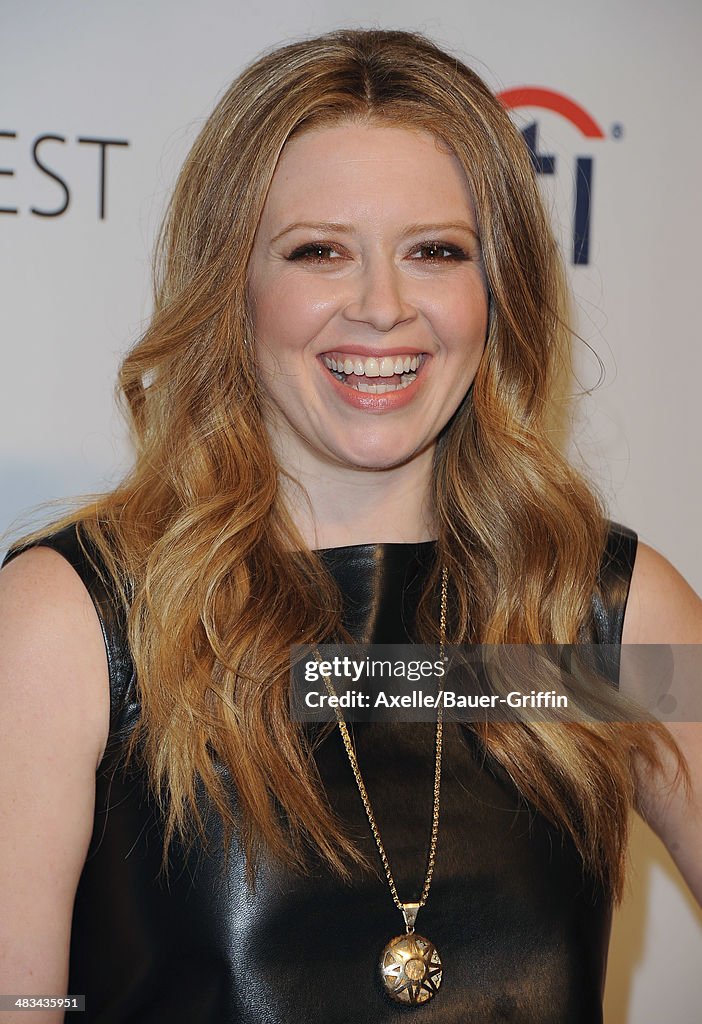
<point x="410" y="966"/>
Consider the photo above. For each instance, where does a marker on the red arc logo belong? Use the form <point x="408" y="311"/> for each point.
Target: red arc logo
<point x="547" y="99"/>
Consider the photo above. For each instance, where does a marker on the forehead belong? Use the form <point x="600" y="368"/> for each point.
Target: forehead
<point x="353" y="170"/>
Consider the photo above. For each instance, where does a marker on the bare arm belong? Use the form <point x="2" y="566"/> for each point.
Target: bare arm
<point x="54" y="719"/>
<point x="663" y="609"/>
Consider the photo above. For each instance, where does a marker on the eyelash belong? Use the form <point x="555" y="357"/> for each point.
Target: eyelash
<point x="310" y="252"/>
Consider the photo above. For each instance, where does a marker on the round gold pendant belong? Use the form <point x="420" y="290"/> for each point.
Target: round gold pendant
<point x="411" y="969"/>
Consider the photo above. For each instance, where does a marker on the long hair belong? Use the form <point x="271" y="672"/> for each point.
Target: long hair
<point x="216" y="580"/>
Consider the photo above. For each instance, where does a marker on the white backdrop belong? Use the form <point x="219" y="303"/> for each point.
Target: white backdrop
<point x="78" y="80"/>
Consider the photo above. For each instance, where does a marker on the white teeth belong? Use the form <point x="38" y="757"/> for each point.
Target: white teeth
<point x="387" y="366"/>
<point x="372" y="366"/>
<point x="355" y="371"/>
<point x="381" y="389"/>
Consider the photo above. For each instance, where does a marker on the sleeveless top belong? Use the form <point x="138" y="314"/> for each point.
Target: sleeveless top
<point x="521" y="929"/>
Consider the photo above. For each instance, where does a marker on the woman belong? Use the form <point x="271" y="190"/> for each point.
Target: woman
<point x="358" y="209"/>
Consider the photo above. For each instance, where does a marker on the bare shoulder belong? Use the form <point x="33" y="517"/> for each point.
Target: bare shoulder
<point x="48" y="624"/>
<point x="54" y="720"/>
<point x="662" y="607"/>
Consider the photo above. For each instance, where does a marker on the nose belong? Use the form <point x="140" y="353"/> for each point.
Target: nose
<point x="379" y="298"/>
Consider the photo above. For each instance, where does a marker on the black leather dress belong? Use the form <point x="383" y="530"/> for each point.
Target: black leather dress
<point x="521" y="929"/>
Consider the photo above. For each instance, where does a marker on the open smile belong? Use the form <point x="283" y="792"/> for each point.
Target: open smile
<point x="374" y="375"/>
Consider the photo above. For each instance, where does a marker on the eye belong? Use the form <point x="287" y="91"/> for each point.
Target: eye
<point x="439" y="252"/>
<point x="315" y="252"/>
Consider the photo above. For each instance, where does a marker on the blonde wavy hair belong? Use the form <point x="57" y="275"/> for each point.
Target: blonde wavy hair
<point x="217" y="582"/>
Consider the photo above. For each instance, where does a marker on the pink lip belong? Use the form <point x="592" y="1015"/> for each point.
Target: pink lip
<point x="363" y="350"/>
<point x="388" y="402"/>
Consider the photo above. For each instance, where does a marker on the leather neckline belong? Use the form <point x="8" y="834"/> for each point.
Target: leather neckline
<point x="381" y="585"/>
<point x="384" y="546"/>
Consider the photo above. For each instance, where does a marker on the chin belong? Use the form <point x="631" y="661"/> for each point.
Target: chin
<point x="377" y="459"/>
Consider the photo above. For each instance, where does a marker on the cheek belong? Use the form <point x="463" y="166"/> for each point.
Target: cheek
<point x="288" y="313"/>
<point x="461" y="320"/>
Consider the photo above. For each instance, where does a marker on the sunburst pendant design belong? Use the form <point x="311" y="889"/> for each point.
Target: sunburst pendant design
<point x="411" y="969"/>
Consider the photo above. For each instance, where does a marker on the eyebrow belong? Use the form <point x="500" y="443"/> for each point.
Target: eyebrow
<point x="332" y="227"/>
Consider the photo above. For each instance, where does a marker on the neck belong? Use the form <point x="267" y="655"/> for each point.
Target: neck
<point x="334" y="506"/>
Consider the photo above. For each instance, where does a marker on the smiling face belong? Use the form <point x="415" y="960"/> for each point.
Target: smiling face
<point x="368" y="297"/>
